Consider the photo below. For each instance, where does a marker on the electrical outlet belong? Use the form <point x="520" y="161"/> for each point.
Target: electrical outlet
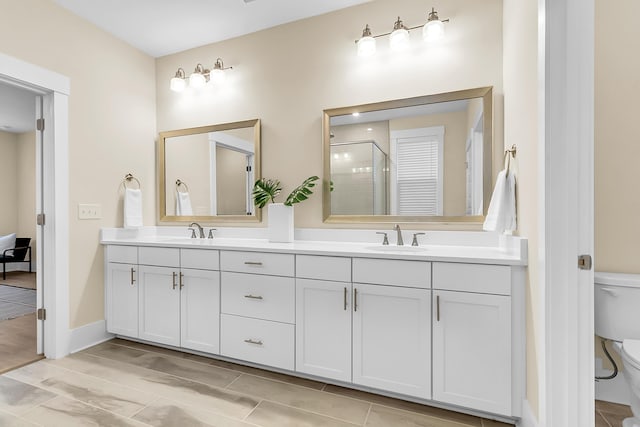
<point x="89" y="211"/>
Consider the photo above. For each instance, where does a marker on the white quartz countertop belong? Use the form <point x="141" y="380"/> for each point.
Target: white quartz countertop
<point x="513" y="255"/>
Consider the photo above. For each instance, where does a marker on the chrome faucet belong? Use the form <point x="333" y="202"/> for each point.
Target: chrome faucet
<point x="399" y="240"/>
<point x="200" y="230"/>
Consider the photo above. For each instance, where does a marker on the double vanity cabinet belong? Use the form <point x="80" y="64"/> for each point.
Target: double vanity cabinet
<point x="433" y="331"/>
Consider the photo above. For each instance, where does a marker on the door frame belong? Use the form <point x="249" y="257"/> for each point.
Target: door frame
<point x="53" y="238"/>
<point x="566" y="114"/>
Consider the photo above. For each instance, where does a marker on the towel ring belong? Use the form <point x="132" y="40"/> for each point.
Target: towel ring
<point x="128" y="178"/>
<point x="179" y="183"/>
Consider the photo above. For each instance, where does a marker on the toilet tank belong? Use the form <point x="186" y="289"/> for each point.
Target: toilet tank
<point x="617" y="305"/>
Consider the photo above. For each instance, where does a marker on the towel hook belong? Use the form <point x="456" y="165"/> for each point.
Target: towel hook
<point x="179" y="183"/>
<point x="511" y="153"/>
<point x="128" y="178"/>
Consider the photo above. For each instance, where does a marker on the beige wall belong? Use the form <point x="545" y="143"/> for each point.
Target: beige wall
<point x="26" y="184"/>
<point x="9" y="178"/>
<point x="288" y="75"/>
<point x="520" y="128"/>
<point x="617" y="147"/>
<point x="187" y="158"/>
<point x="111" y="128"/>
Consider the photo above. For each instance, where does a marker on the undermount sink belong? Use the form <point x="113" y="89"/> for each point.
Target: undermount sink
<point x="395" y="248"/>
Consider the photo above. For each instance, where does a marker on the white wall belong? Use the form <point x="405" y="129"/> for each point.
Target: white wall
<point x="8" y="176"/>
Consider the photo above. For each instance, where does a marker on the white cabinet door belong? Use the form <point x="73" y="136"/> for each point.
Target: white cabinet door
<point x="200" y="310"/>
<point x="472" y="350"/>
<point x="122" y="299"/>
<point x="159" y="312"/>
<point x="392" y="339"/>
<point x="323" y="328"/>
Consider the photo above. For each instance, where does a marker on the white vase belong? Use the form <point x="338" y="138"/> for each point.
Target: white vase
<point x="280" y="223"/>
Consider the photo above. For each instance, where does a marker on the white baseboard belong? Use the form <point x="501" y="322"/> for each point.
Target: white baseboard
<point x="528" y="418"/>
<point x="88" y="335"/>
<point x="615" y="390"/>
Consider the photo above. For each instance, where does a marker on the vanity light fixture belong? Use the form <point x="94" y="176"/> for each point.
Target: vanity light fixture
<point x="432" y="30"/>
<point x="200" y="76"/>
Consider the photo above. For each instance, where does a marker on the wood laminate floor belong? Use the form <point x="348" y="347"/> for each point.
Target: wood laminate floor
<point x="121" y="383"/>
<point x="611" y="414"/>
<point x="20" y="279"/>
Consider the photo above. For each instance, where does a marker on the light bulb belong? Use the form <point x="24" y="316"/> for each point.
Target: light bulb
<point x="217" y="76"/>
<point x="197" y="80"/>
<point x="177" y="84"/>
<point x="434" y="28"/>
<point x="399" y="38"/>
<point x="366" y="44"/>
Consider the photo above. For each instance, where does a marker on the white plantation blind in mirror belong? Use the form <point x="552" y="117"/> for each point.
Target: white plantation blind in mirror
<point x="417" y="169"/>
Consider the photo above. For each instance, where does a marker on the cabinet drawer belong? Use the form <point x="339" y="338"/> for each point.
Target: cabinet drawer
<point x="258" y="341"/>
<point x="200" y="259"/>
<point x="262" y="297"/>
<point x="163" y="257"/>
<point x="487" y="279"/>
<point x="332" y="268"/>
<point x="122" y="254"/>
<point x="257" y="262"/>
<point x="415" y="274"/>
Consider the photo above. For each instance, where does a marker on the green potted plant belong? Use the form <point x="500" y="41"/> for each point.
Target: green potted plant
<point x="280" y="217"/>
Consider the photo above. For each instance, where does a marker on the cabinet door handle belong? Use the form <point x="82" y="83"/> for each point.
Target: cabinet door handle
<point x="438" y="308"/>
<point x="252" y="263"/>
<point x="253" y="296"/>
<point x="133" y="271"/>
<point x="345" y="298"/>
<point x="250" y="341"/>
<point x="355" y="299"/>
<point x="174" y="279"/>
<point x="181" y="280"/>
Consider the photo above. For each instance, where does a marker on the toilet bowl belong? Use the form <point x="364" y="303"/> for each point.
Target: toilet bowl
<point x="617" y="318"/>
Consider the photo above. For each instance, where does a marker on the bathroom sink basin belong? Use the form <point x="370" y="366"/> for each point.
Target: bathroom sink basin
<point x="394" y="248"/>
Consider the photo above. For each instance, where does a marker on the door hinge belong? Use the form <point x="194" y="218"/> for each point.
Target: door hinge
<point x="40" y="124"/>
<point x="40" y="219"/>
<point x="42" y="314"/>
<point x="248" y="168"/>
<point x="584" y="262"/>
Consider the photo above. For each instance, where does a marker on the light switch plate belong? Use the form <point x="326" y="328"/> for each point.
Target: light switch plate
<point x="89" y="211"/>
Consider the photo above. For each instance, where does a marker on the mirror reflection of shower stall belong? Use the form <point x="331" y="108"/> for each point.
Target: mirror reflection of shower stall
<point x="359" y="179"/>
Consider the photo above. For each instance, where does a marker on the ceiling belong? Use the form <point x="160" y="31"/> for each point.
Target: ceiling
<point x="163" y="27"/>
<point x="17" y="109"/>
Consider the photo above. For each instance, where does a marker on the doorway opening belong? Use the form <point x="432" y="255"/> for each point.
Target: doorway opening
<point x="19" y="139"/>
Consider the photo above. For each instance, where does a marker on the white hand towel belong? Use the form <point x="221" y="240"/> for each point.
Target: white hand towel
<point x="183" y="204"/>
<point x="501" y="215"/>
<point x="132" y="208"/>
<point x="510" y="223"/>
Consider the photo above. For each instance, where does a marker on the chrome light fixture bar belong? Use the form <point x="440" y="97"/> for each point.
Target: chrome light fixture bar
<point x="432" y="30"/>
<point x="200" y="76"/>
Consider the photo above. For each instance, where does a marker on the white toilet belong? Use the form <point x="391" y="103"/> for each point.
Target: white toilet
<point x="617" y="318"/>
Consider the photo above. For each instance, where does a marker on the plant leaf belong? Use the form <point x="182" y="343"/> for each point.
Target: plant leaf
<point x="265" y="191"/>
<point x="301" y="192"/>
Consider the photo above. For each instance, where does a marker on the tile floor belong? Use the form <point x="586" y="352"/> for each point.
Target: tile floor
<point x="611" y="414"/>
<point x="122" y="383"/>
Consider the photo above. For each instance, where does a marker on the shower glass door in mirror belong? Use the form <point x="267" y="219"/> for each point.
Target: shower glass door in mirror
<point x="417" y="159"/>
<point x="209" y="172"/>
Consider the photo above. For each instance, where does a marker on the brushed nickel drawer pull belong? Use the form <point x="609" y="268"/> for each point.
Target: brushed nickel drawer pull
<point x="438" y="308"/>
<point x="181" y="280"/>
<point x="355" y="299"/>
<point x="252" y="263"/>
<point x="253" y="296"/>
<point x="345" y="298"/>
<point x="174" y="279"/>
<point x="132" y="273"/>
<point x="250" y="341"/>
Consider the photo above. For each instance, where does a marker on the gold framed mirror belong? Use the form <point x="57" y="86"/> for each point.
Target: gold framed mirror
<point x="421" y="159"/>
<point x="207" y="173"/>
